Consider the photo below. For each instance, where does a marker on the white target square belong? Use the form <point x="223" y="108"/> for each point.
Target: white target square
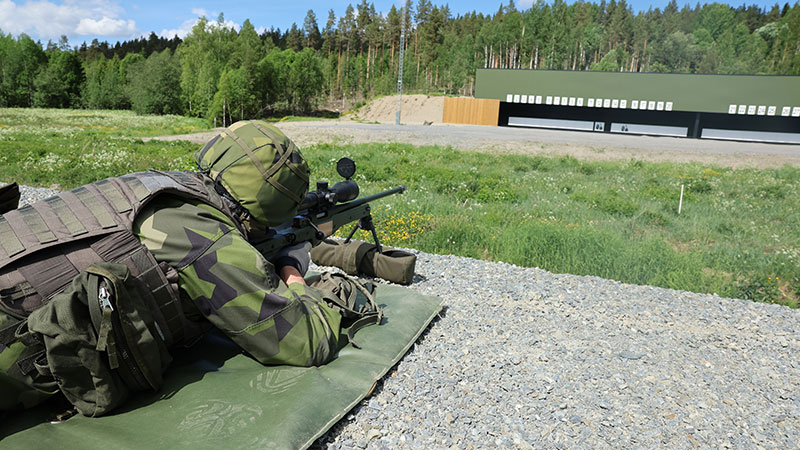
<point x="598" y="103"/>
<point x="523" y="99"/>
<point x="615" y="103"/>
<point x="772" y="110"/>
<point x="742" y="109"/>
<point x="651" y="105"/>
<point x="634" y="104"/>
<point x="660" y="106"/>
<point x="751" y="109"/>
<point x="668" y="106"/>
<point x="623" y="104"/>
<point x="548" y="100"/>
<point x="509" y="98"/>
<point x="606" y="103"/>
<point x="557" y="101"/>
<point x="642" y="104"/>
<point x="785" y="111"/>
<point x="762" y="110"/>
<point x="538" y="99"/>
<point x="572" y="101"/>
<point x="732" y="109"/>
<point x="590" y="103"/>
<point x="531" y="98"/>
<point x="580" y="101"/>
<point x="796" y="111"/>
<point x="516" y="98"/>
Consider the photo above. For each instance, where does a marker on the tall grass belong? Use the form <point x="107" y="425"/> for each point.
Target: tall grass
<point x="68" y="148"/>
<point x="738" y="234"/>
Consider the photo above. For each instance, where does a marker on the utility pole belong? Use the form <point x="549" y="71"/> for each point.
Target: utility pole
<point x="400" y="65"/>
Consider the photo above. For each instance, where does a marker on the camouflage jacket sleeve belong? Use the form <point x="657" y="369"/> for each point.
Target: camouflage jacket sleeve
<point x="235" y="288"/>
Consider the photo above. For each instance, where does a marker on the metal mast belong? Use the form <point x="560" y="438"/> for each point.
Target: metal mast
<point x="400" y="65"/>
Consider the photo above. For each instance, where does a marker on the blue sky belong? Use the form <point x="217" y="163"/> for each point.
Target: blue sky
<point x="112" y="20"/>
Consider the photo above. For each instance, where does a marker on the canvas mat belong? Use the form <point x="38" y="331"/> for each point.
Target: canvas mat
<point x="216" y="397"/>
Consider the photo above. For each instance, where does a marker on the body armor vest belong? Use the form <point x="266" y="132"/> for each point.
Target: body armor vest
<point x="45" y="245"/>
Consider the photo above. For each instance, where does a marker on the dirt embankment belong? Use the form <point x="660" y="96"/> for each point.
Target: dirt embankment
<point x="415" y="109"/>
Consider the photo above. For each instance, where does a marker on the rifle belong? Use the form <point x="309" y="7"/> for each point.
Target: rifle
<point x="325" y="211"/>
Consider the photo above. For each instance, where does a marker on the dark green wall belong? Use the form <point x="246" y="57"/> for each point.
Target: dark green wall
<point x="704" y="93"/>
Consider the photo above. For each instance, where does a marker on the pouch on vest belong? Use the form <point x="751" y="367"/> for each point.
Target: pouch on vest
<point x="356" y="257"/>
<point x="341" y="292"/>
<point x="101" y="340"/>
<point x="9" y="197"/>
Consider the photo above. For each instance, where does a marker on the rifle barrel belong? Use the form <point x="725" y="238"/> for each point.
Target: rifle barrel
<point x="373" y="197"/>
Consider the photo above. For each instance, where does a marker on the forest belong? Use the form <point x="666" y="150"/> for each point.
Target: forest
<point x="218" y="72"/>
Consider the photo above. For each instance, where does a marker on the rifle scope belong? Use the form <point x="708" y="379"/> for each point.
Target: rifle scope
<point x="341" y="192"/>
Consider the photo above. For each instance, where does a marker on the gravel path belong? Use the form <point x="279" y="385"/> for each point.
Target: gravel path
<point x="585" y="146"/>
<point x="523" y="358"/>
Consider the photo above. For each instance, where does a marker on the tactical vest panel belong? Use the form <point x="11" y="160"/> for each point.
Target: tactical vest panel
<point x="45" y="245"/>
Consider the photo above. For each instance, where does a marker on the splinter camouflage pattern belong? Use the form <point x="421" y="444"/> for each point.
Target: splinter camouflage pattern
<point x="221" y="277"/>
<point x="235" y="288"/>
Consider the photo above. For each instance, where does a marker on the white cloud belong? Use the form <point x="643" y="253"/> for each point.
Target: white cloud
<point x="106" y="27"/>
<point x="186" y="27"/>
<point x="49" y="20"/>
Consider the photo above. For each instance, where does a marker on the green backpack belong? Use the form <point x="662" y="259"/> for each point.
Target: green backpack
<point x="96" y="342"/>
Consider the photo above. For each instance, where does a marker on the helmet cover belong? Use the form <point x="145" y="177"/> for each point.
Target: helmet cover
<point x="260" y="167"/>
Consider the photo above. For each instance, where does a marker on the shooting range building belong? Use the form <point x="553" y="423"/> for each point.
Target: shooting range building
<point x="735" y="107"/>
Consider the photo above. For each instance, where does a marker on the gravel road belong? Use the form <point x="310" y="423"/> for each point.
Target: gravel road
<point x="524" y="358"/>
<point x="585" y="146"/>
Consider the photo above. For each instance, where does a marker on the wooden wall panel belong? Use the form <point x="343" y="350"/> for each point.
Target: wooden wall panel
<point x="471" y="111"/>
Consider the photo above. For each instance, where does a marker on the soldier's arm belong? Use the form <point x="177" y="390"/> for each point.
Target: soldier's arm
<point x="291" y="275"/>
<point x="236" y="289"/>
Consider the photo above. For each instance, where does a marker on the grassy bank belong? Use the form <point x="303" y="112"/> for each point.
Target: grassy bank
<point x="736" y="236"/>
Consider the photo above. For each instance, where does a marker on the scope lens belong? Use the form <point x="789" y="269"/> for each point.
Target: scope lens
<point x="346" y="167"/>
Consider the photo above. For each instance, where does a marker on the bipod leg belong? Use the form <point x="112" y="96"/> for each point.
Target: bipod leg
<point x="377" y="244"/>
<point x="366" y="224"/>
<point x="352" y="232"/>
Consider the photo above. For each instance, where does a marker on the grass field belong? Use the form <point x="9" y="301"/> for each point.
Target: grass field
<point x="738" y="234"/>
<point x="68" y="148"/>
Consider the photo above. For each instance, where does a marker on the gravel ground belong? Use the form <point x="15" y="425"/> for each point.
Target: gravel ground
<point x="524" y="358"/>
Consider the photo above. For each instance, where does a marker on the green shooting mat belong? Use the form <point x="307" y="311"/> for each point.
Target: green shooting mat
<point x="216" y="397"/>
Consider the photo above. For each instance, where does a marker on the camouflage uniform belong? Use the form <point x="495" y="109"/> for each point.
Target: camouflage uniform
<point x="193" y="224"/>
<point x="227" y="281"/>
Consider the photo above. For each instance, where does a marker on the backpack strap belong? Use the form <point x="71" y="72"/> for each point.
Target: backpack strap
<point x="372" y="317"/>
<point x="8" y="333"/>
<point x="345" y="302"/>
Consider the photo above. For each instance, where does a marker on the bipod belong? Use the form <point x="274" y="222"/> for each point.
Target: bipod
<point x="365" y="223"/>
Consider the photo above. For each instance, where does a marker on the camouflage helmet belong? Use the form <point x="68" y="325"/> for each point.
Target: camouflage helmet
<point x="260" y="167"/>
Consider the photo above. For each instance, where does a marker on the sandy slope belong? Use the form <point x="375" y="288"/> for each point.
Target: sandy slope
<point x="416" y="109"/>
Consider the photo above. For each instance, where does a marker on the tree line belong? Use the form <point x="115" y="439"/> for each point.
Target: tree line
<point x="224" y="73"/>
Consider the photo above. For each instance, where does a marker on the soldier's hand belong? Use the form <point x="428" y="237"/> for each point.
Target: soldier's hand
<point x="296" y="256"/>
